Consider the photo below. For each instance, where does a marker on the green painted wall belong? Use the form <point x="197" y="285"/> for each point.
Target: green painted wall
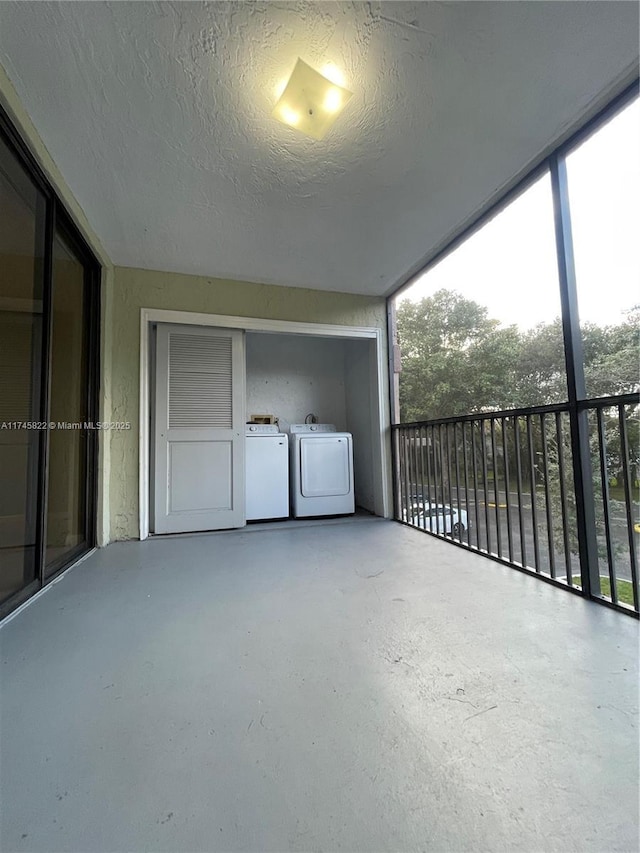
<point x="134" y="289"/>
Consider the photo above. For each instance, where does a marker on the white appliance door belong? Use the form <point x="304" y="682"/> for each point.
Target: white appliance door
<point x="199" y="429"/>
<point x="267" y="477"/>
<point x="325" y="466"/>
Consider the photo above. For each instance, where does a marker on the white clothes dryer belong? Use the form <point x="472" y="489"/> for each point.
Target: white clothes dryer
<point x="321" y="470"/>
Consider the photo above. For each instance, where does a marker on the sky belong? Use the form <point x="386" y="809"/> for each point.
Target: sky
<point x="510" y="264"/>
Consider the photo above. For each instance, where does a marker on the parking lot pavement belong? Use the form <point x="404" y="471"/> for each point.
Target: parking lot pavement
<point x="486" y="537"/>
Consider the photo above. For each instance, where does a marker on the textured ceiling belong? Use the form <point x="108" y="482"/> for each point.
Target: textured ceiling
<point x="159" y="117"/>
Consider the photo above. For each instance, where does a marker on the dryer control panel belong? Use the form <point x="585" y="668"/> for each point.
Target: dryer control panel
<point x="298" y="428"/>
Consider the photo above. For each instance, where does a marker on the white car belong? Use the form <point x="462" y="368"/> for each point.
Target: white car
<point x="437" y="518"/>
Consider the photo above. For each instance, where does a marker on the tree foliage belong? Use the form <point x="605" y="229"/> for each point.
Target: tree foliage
<point x="457" y="360"/>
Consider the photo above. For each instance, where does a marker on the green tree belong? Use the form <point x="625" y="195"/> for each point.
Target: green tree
<point x="540" y="366"/>
<point x="455" y="359"/>
<point x="611" y="356"/>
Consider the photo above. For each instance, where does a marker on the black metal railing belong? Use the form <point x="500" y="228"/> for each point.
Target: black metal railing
<point x="502" y="483"/>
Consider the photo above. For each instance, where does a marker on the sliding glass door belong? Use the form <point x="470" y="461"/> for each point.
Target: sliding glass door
<point x="49" y="297"/>
<point x="68" y="408"/>
<point x="22" y="241"/>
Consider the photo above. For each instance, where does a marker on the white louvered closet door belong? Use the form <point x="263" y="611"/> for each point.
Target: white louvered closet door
<point x="199" y="429"/>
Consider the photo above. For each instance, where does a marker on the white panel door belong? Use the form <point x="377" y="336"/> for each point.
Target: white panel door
<point x="199" y="429"/>
<point x="325" y="466"/>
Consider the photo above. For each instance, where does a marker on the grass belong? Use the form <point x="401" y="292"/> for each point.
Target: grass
<point x="624" y="588"/>
<point x="617" y="493"/>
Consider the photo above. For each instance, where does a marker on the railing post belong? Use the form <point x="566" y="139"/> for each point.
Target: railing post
<point x="574" y="360"/>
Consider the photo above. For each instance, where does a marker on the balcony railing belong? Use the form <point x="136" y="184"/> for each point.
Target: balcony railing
<point x="502" y="483"/>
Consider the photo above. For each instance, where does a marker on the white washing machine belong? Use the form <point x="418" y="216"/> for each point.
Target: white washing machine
<point x="267" y="472"/>
<point x="321" y="470"/>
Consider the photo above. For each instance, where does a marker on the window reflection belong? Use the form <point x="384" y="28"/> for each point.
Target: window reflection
<point x="66" y="500"/>
<point x="21" y="282"/>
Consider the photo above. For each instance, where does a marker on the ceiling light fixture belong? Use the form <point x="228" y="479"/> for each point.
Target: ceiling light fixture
<point x="310" y="101"/>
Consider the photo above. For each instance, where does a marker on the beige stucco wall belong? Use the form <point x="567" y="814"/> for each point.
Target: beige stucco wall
<point x="134" y="289"/>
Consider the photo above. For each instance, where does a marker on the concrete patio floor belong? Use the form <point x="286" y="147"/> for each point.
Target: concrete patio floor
<point x="357" y="686"/>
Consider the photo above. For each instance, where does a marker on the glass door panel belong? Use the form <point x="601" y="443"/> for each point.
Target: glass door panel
<point x="68" y="401"/>
<point x="22" y="230"/>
